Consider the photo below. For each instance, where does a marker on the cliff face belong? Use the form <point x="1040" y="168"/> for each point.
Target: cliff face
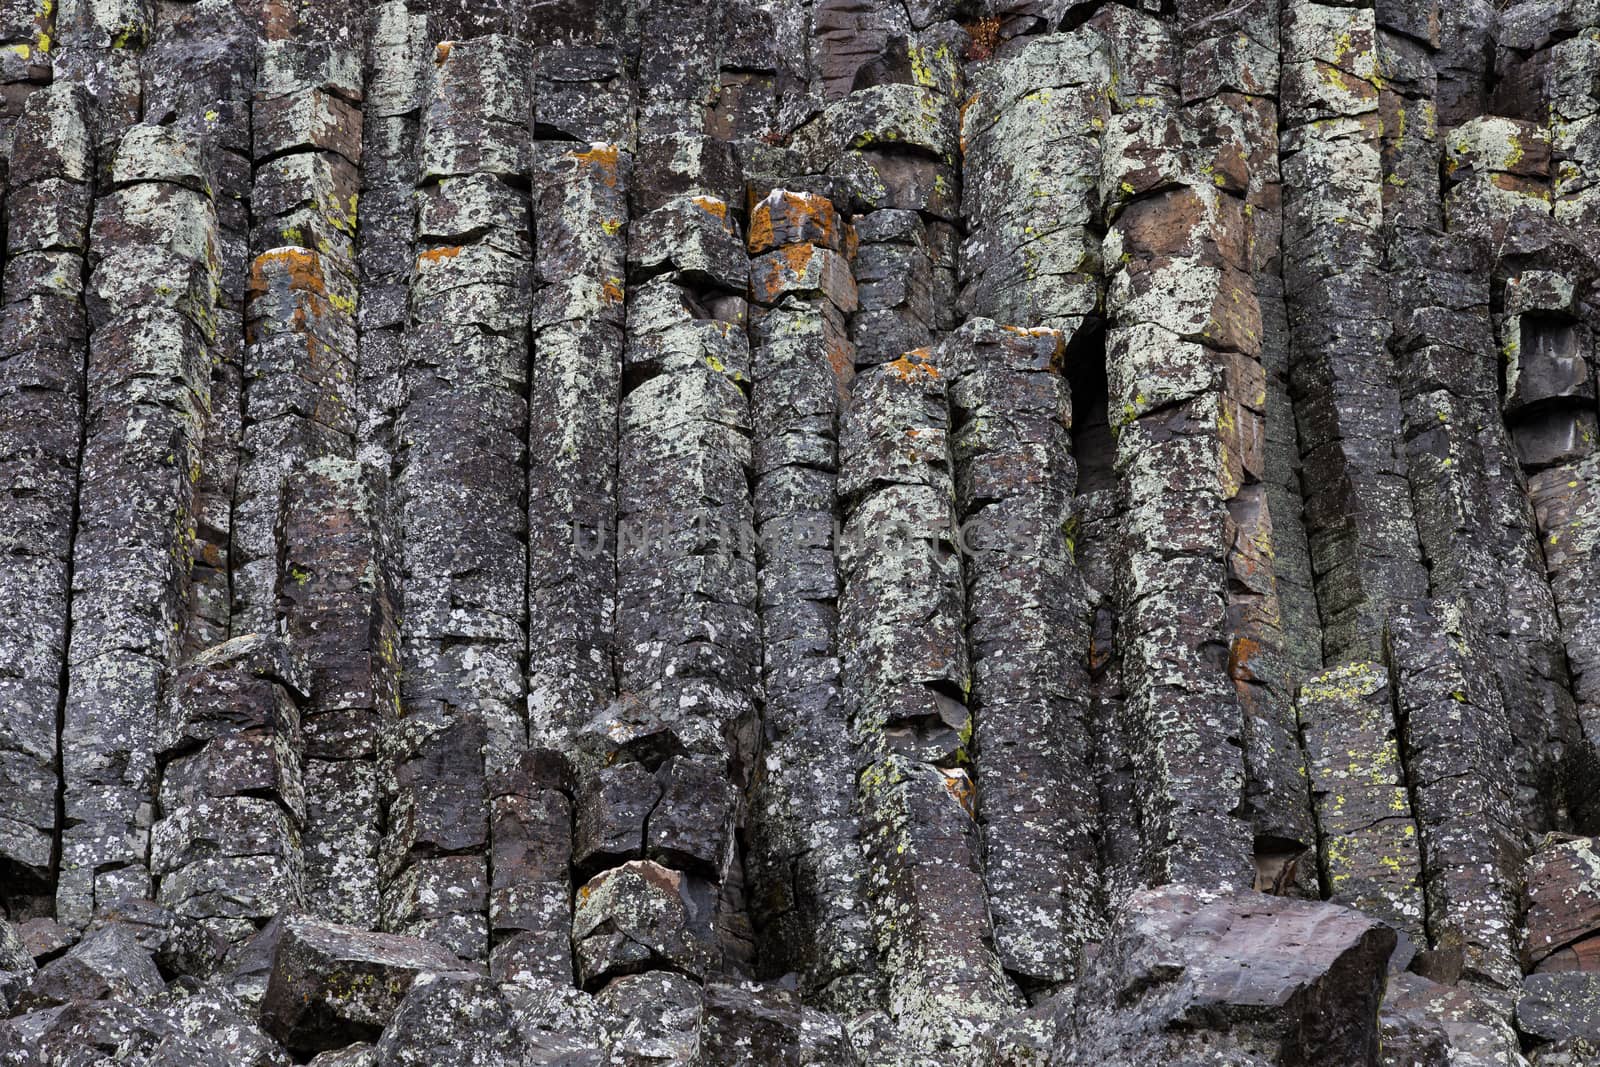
<point x="879" y="532"/>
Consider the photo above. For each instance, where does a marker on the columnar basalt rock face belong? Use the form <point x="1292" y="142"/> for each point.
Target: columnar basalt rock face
<point x="837" y="532"/>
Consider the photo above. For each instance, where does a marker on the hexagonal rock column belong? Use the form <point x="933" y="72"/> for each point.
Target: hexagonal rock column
<point x="1549" y="407"/>
<point x="299" y="372"/>
<point x="1030" y="162"/>
<point x="226" y="850"/>
<point x="154" y="260"/>
<point x="198" y="72"/>
<point x="663" y="765"/>
<point x="906" y="678"/>
<point x="805" y="858"/>
<point x="1367" y="837"/>
<point x="580" y="247"/>
<point x="1184" y="398"/>
<point x="339" y="609"/>
<point x="43" y="330"/>
<point x="461" y="444"/>
<point x="1359" y="516"/>
<point x="530" y="889"/>
<point x="1026" y="628"/>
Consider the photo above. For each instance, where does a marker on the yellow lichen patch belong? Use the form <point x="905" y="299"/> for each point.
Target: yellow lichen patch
<point x="611" y="227"/>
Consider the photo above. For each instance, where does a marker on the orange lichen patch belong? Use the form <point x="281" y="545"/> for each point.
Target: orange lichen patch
<point x="798" y="257"/>
<point x="760" y="235"/>
<point x="441" y="51"/>
<point x="912" y="364"/>
<point x="434" y="255"/>
<point x="962" y="788"/>
<point x="302" y="266"/>
<point x="961" y="120"/>
<point x="612" y="290"/>
<point x="711" y="206"/>
<point x="1239" y="656"/>
<point x="602" y="157"/>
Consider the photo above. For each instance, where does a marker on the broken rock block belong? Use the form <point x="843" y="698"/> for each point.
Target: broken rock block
<point x="642" y="915"/>
<point x="333" y="984"/>
<point x="1563" y="891"/>
<point x="1188" y="976"/>
<point x="109" y="964"/>
<point x="451" y="1018"/>
<point x="745" y="1023"/>
<point x="1558" y="1007"/>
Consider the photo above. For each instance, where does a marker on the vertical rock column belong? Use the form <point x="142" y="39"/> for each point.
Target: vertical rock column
<point x="1230" y="76"/>
<point x="338" y="607"/>
<point x="1474" y="522"/>
<point x="806" y="863"/>
<point x="892" y="149"/>
<point x="1027" y="630"/>
<point x="1030" y="169"/>
<point x="226" y="850"/>
<point x="154" y="259"/>
<point x="397" y="64"/>
<point x="100" y="46"/>
<point x="906" y="677"/>
<point x="308" y="543"/>
<point x="43" y="330"/>
<point x="1546" y="327"/>
<point x="1549" y="408"/>
<point x="663" y="766"/>
<point x="1183" y="320"/>
<point x="581" y="213"/>
<point x="199" y="73"/>
<point x="1368" y="849"/>
<point x="462" y="439"/>
<point x="26" y="37"/>
<point x="300" y="362"/>
<point x="1359" y="519"/>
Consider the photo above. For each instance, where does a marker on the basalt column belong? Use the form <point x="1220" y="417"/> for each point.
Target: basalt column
<point x="1027" y="630"/>
<point x="226" y="850"/>
<point x="1364" y="551"/>
<point x="907" y="675"/>
<point x="299" y="372"/>
<point x="662" y="768"/>
<point x="580" y="246"/>
<point x="806" y="868"/>
<point x="199" y="73"/>
<point x="43" y="330"/>
<point x="154" y="262"/>
<point x="1187" y="443"/>
<point x="459" y="455"/>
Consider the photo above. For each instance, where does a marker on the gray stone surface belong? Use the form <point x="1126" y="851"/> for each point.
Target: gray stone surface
<point x="849" y="532"/>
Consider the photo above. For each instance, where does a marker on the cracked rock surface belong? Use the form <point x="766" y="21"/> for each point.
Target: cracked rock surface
<point x="855" y="533"/>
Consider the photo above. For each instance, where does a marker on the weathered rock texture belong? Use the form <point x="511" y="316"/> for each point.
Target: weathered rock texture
<point x="878" y="532"/>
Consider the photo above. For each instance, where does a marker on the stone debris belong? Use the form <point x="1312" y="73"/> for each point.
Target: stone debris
<point x="846" y="533"/>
